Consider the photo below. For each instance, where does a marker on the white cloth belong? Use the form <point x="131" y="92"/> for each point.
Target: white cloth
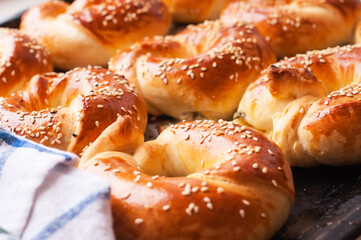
<point x="42" y="195"/>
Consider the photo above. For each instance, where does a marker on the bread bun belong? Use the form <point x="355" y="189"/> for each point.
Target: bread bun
<point x="197" y="180"/>
<point x="88" y="32"/>
<point x="188" y="11"/>
<point x="310" y="105"/>
<point x="200" y="72"/>
<point x="22" y="57"/>
<point x="296" y="26"/>
<point x="69" y="111"/>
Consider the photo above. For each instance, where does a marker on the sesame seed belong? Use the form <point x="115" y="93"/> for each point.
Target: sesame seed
<point x="137" y="178"/>
<point x="210" y="206"/>
<point x="195" y="189"/>
<point x="237" y="168"/>
<point x="220" y="190"/>
<point x="245" y="202"/>
<point x="138" y="221"/>
<point x="274" y="182"/>
<point x="166" y="207"/>
<point x="206" y="199"/>
<point x="242" y="213"/>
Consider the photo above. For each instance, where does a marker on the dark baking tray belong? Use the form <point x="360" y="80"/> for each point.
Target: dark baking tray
<point x="328" y="199"/>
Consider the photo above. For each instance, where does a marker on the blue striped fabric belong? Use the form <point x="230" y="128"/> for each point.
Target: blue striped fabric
<point x="65" y="218"/>
<point x="30" y="206"/>
<point x="16" y="142"/>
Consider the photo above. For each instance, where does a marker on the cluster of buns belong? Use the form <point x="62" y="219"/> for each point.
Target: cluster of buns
<point x="199" y="179"/>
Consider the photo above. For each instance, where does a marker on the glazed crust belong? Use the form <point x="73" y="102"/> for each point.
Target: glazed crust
<point x="201" y="71"/>
<point x="296" y="26"/>
<point x="310" y="106"/>
<point x="198" y="180"/>
<point x="22" y="57"/>
<point x="69" y="31"/>
<point x="185" y="11"/>
<point x="69" y="111"/>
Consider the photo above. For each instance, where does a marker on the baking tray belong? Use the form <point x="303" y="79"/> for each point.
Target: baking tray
<point x="328" y="199"/>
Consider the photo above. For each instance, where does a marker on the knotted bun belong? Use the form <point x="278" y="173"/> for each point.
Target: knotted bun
<point x="69" y="111"/>
<point x="187" y="11"/>
<point x="197" y="180"/>
<point x="310" y="105"/>
<point x="88" y="32"/>
<point x="22" y="57"/>
<point x="199" y="72"/>
<point x="296" y="26"/>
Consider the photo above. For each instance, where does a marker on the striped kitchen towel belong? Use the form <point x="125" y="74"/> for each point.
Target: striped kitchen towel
<point x="42" y="195"/>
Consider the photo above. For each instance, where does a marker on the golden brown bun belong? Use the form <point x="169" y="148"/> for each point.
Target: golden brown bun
<point x="189" y="11"/>
<point x="200" y="72"/>
<point x="69" y="111"/>
<point x="198" y="180"/>
<point x="310" y="105"/>
<point x="22" y="57"/>
<point x="88" y="32"/>
<point x="358" y="33"/>
<point x="296" y="26"/>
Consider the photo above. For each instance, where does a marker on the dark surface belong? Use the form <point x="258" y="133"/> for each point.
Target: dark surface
<point x="327" y="205"/>
<point x="328" y="200"/>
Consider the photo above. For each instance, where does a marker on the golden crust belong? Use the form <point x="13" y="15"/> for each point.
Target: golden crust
<point x="185" y="11"/>
<point x="310" y="106"/>
<point x="22" y="57"/>
<point x="218" y="180"/>
<point x="69" y="111"/>
<point x="202" y="70"/>
<point x="296" y="26"/>
<point x="70" y="31"/>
